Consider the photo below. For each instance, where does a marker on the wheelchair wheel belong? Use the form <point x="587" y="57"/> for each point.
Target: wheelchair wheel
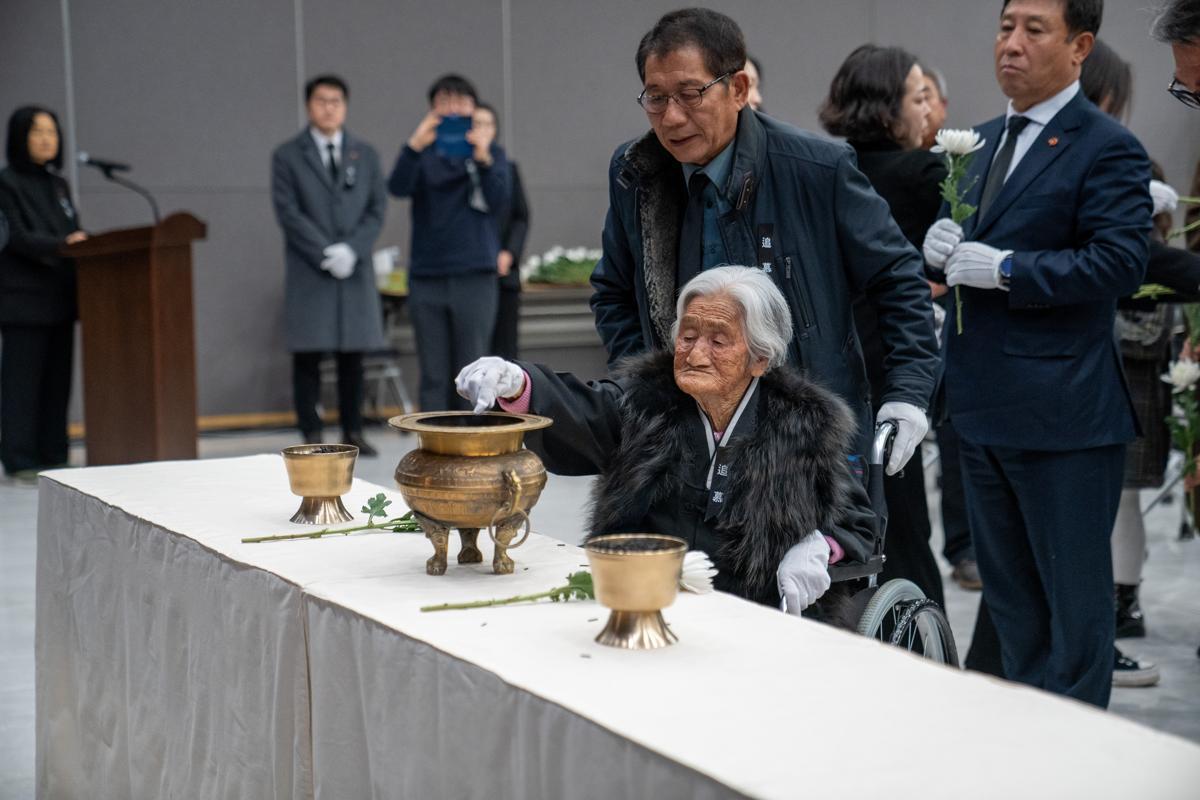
<point x="899" y="614"/>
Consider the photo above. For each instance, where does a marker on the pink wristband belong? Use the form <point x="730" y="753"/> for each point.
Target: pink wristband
<point x="520" y="404"/>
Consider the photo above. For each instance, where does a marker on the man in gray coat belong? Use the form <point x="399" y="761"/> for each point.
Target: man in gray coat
<point x="329" y="197"/>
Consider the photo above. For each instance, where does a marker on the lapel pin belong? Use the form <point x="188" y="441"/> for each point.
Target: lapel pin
<point x="1053" y="141"/>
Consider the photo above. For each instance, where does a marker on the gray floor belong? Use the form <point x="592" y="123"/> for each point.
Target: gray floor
<point x="1170" y="598"/>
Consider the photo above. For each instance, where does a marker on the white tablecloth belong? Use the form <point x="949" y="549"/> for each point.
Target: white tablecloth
<point x="174" y="661"/>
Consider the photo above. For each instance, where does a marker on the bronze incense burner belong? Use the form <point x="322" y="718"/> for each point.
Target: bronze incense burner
<point x="470" y="472"/>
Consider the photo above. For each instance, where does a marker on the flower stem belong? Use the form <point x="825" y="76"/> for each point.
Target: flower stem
<point x="521" y="598"/>
<point x="958" y="308"/>
<point x="403" y="524"/>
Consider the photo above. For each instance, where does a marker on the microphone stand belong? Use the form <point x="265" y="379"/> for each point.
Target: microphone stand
<point x="108" y="175"/>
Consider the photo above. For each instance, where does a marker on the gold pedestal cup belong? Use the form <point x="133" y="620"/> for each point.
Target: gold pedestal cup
<point x="320" y="474"/>
<point x="636" y="576"/>
<point x="470" y="473"/>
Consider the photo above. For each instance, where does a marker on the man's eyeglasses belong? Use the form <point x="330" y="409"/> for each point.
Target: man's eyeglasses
<point x="688" y="98"/>
<point x="1185" y="96"/>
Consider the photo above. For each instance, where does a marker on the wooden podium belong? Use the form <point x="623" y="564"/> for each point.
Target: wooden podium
<point x="139" y="352"/>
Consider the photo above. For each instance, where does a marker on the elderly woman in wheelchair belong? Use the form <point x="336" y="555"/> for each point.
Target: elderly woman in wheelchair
<point x="719" y="443"/>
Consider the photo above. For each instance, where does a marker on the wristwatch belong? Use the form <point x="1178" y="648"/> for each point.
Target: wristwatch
<point x="1006" y="271"/>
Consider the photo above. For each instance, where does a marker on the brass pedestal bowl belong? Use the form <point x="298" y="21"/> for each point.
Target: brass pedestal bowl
<point x="636" y="576"/>
<point x="470" y="472"/>
<point x="321" y="474"/>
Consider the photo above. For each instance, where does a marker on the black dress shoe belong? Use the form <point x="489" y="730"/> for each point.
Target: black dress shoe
<point x="1131" y="622"/>
<point x="364" y="448"/>
<point x="966" y="575"/>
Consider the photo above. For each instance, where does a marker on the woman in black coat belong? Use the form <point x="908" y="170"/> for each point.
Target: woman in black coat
<point x="878" y="102"/>
<point x="37" y="295"/>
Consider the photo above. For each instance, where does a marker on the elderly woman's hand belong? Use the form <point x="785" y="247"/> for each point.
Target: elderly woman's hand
<point x="803" y="574"/>
<point x="488" y="378"/>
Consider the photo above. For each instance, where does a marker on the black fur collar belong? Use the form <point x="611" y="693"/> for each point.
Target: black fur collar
<point x="787" y="475"/>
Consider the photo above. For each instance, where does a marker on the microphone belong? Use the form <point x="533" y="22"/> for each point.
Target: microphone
<point x="107" y="168"/>
<point x="101" y="164"/>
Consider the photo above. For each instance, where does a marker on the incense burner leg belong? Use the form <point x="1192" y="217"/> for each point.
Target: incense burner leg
<point x="439" y="536"/>
<point x="470" y="552"/>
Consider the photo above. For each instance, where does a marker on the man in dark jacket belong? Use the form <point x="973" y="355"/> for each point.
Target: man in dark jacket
<point x="716" y="183"/>
<point x="460" y="191"/>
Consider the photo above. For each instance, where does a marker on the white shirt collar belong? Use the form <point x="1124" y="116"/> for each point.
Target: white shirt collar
<point x="1044" y="111"/>
<point x="324" y="141"/>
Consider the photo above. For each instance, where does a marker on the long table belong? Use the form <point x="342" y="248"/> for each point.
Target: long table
<point x="175" y="661"/>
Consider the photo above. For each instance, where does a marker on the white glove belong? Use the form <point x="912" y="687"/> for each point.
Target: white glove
<point x="911" y="427"/>
<point x="487" y="378"/>
<point x="339" y="260"/>
<point x="1166" y="199"/>
<point x="975" y="264"/>
<point x="803" y="574"/>
<point x="939" y="322"/>
<point x="940" y="240"/>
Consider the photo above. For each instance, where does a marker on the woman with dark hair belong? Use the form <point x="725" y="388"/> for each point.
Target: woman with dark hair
<point x="37" y="296"/>
<point x="514" y="227"/>
<point x="877" y="101"/>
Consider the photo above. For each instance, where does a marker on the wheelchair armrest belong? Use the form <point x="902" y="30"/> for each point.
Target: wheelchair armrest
<point x="849" y="572"/>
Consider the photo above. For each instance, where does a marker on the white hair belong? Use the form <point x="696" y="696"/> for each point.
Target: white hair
<point x="766" y="319"/>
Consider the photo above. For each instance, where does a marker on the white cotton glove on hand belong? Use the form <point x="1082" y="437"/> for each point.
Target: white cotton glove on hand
<point x="911" y="427"/>
<point x="803" y="574"/>
<point x="939" y="322"/>
<point x="488" y="378"/>
<point x="940" y="240"/>
<point x="1166" y="199"/>
<point x="339" y="260"/>
<point x="975" y="264"/>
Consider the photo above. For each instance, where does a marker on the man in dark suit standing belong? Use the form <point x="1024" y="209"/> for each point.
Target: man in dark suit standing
<point x="1033" y="380"/>
<point x="330" y="200"/>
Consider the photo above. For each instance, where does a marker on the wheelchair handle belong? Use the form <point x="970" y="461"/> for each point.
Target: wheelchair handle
<point x="881" y="447"/>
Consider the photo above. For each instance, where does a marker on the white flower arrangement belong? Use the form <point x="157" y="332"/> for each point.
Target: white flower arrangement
<point x="560" y="265"/>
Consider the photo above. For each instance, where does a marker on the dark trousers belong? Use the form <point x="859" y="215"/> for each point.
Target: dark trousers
<point x="452" y="319"/>
<point x="957" y="546"/>
<point x="508" y="312"/>
<point x="35" y="389"/>
<point x="906" y="544"/>
<point x="306" y="389"/>
<point x="1041" y="523"/>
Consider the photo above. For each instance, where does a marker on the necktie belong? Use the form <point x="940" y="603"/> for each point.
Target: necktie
<point x="333" y="165"/>
<point x="999" y="170"/>
<point x="691" y="232"/>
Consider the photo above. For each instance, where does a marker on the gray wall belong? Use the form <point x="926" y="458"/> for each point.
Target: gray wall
<point x="196" y="95"/>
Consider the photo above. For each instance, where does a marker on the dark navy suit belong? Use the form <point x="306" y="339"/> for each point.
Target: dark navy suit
<point x="1035" y="387"/>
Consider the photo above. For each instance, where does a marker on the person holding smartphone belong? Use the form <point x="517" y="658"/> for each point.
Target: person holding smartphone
<point x="460" y="184"/>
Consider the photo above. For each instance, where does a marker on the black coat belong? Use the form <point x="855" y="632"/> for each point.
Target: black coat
<point x="514" y="227"/>
<point x="833" y="239"/>
<point x="910" y="182"/>
<point x="643" y="436"/>
<point x="37" y="285"/>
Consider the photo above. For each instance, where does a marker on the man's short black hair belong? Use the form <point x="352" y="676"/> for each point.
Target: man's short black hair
<point x="1082" y="16"/>
<point x="326" y="80"/>
<point x="454" y="85"/>
<point x="1179" y="22"/>
<point x="717" y="36"/>
<point x="867" y="93"/>
<point x="17" y="147"/>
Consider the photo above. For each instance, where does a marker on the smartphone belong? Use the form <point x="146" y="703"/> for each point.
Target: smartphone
<point x="451" y="139"/>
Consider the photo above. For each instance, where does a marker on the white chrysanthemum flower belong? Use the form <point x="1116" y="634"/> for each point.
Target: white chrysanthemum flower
<point x="698" y="573"/>
<point x="577" y="254"/>
<point x="1183" y="375"/>
<point x="533" y="262"/>
<point x="595" y="255"/>
<point x="554" y="254"/>
<point x="957" y="142"/>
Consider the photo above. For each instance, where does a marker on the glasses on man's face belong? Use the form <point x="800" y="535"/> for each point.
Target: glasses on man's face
<point x="1185" y="96"/>
<point x="688" y="98"/>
